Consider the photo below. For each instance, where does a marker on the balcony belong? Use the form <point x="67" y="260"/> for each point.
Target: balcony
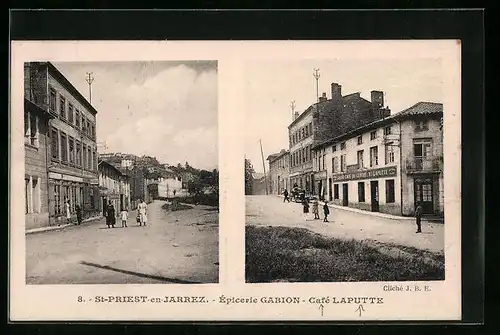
<point x="429" y="164"/>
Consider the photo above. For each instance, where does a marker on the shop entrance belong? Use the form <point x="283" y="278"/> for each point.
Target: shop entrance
<point x="424" y="194"/>
<point x="374" y="196"/>
<point x="345" y="194"/>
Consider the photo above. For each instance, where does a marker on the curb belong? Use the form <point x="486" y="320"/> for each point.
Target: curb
<point x="61" y="227"/>
<point x="376" y="214"/>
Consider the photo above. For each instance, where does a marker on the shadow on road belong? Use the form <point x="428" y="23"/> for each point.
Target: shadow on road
<point x="138" y="274"/>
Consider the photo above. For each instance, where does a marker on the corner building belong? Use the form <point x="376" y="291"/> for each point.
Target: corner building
<point x="279" y="175"/>
<point x="388" y="165"/>
<point x="323" y="120"/>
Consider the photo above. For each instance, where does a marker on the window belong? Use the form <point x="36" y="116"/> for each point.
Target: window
<point x="84" y="124"/>
<point x="388" y="130"/>
<point x="52" y="100"/>
<point x="335" y="164"/>
<point x="389" y="153"/>
<point x="373" y="135"/>
<point x="57" y="199"/>
<point x="92" y="131"/>
<point x="373" y="156"/>
<point x="70" y="113"/>
<point x="342" y="163"/>
<point x="88" y="128"/>
<point x="35" y="195"/>
<point x="421" y="125"/>
<point x="62" y="107"/>
<point x="303" y="132"/>
<point x="74" y="198"/>
<point x="71" y="150"/>
<point x="360" y="159"/>
<point x="34" y="130"/>
<point x="84" y="148"/>
<point x="55" y="144"/>
<point x="342" y="146"/>
<point x="310" y="128"/>
<point x="78" y="159"/>
<point x="27" y="190"/>
<point x="334" y="148"/>
<point x="389" y="191"/>
<point x="64" y="148"/>
<point x="360" y="139"/>
<point x="77" y="119"/>
<point x="323" y="160"/>
<point x="361" y="192"/>
<point x="89" y="158"/>
<point x="422" y="148"/>
<point x="335" y="191"/>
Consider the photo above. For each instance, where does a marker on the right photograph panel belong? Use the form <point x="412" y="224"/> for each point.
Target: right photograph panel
<point x="344" y="170"/>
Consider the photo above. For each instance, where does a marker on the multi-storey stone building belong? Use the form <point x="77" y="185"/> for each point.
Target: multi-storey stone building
<point x="279" y="172"/>
<point x="323" y="120"/>
<point x="70" y="156"/>
<point x="114" y="186"/>
<point x="389" y="164"/>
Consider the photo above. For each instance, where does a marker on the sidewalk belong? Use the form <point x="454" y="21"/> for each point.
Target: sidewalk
<point x="381" y="215"/>
<point x="60" y="227"/>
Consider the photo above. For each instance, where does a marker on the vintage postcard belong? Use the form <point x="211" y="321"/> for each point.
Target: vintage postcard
<point x="235" y="181"/>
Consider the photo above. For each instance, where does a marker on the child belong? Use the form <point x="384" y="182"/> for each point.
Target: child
<point x="305" y="205"/>
<point x="124" y="216"/>
<point x="138" y="217"/>
<point x="315" y="208"/>
<point x="326" y="211"/>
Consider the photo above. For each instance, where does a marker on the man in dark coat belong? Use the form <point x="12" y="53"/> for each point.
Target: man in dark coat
<point x="110" y="216"/>
<point x="285" y="194"/>
<point x="418" y="216"/>
<point x="78" y="211"/>
<point x="326" y="211"/>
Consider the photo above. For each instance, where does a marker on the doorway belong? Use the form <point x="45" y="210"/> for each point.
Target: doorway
<point x="330" y="198"/>
<point x="374" y="196"/>
<point x="312" y="185"/>
<point x="424" y="194"/>
<point x="345" y="194"/>
<point x="320" y="190"/>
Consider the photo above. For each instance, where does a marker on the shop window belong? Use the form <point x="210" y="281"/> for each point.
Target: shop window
<point x="373" y="156"/>
<point x="57" y="199"/>
<point x="55" y="144"/>
<point x="361" y="192"/>
<point x="360" y="139"/>
<point x="336" y="191"/>
<point x="389" y="191"/>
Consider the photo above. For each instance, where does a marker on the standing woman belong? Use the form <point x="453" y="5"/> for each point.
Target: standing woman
<point x="315" y="208"/>
<point x="110" y="215"/>
<point x="78" y="210"/>
<point x="305" y="209"/>
<point x="68" y="212"/>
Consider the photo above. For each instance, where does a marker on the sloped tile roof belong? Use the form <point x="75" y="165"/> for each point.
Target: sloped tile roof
<point x="422" y="108"/>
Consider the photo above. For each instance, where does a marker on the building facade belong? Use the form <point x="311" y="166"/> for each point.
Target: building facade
<point x="387" y="165"/>
<point x="36" y="146"/>
<point x="323" y="120"/>
<point x="279" y="172"/>
<point x="114" y="187"/>
<point x="71" y="150"/>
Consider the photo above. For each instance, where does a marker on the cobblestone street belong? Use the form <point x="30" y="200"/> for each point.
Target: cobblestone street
<point x="175" y="247"/>
<point x="270" y="210"/>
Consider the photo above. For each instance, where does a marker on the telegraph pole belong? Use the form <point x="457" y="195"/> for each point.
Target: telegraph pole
<point x="263" y="165"/>
<point x="90" y="80"/>
<point x="316" y="76"/>
<point x="292" y="106"/>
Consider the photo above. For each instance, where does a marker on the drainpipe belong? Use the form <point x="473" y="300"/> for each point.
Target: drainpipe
<point x="401" y="166"/>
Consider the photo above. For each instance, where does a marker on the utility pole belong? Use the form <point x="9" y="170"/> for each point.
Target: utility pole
<point x="263" y="165"/>
<point x="292" y="106"/>
<point x="316" y="76"/>
<point x="90" y="80"/>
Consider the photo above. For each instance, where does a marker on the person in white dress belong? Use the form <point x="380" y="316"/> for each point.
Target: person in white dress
<point x="68" y="212"/>
<point x="143" y="213"/>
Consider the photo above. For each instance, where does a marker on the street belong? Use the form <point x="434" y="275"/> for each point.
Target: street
<point x="175" y="247"/>
<point x="269" y="210"/>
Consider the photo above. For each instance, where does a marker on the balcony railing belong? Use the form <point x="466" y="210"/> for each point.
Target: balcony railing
<point x="424" y="164"/>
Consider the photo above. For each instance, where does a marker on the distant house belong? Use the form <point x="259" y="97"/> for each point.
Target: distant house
<point x="258" y="183"/>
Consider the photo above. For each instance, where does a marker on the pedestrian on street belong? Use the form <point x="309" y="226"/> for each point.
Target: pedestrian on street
<point x="315" y="208"/>
<point x="305" y="208"/>
<point x="326" y="211"/>
<point x="110" y="216"/>
<point x="418" y="217"/>
<point x="285" y="194"/>
<point x="143" y="213"/>
<point x="68" y="212"/>
<point x="78" y="211"/>
<point x="124" y="217"/>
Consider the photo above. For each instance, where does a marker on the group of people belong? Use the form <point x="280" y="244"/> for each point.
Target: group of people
<point x="141" y="218"/>
<point x="315" y="206"/>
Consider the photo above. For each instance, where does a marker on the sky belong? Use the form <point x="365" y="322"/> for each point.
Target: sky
<point x="271" y="86"/>
<point x="166" y="110"/>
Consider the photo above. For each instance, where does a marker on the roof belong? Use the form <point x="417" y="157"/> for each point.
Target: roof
<point x="345" y="99"/>
<point x="258" y="175"/>
<point x="72" y="89"/>
<point x="275" y="156"/>
<point x="420" y="108"/>
<point x="109" y="165"/>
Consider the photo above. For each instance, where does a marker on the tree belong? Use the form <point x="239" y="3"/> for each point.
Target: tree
<point x="248" y="176"/>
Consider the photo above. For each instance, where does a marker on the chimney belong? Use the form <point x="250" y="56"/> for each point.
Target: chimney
<point x="323" y="98"/>
<point x="377" y="99"/>
<point x="295" y="115"/>
<point x="337" y="93"/>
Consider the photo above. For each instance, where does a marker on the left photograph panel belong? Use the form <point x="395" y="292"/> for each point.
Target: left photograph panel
<point x="121" y="172"/>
